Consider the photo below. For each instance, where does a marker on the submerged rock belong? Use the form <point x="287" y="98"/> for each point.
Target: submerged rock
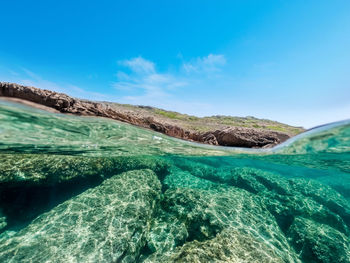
<point x="289" y="201"/>
<point x="284" y="197"/>
<point x="228" y="246"/>
<point x="108" y="223"/>
<point x="221" y="225"/>
<point x="49" y="169"/>
<point x="318" y="242"/>
<point x="181" y="210"/>
<point x="177" y="178"/>
<point x="31" y="184"/>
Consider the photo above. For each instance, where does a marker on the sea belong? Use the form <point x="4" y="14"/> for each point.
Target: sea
<point x="89" y="189"/>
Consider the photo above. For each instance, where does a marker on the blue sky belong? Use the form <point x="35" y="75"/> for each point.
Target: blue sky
<point x="282" y="60"/>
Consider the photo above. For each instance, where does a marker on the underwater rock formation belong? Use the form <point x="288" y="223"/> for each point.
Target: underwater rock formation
<point x="49" y="169"/>
<point x="184" y="210"/>
<point x="31" y="184"/>
<point x="318" y="242"/>
<point x="289" y="201"/>
<point x="108" y="223"/>
<point x="228" y="246"/>
<point x="221" y="225"/>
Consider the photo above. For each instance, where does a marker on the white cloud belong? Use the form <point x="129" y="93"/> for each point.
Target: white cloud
<point x="141" y="83"/>
<point x="138" y="81"/>
<point x="143" y="79"/>
<point x="139" y="65"/>
<point x="210" y="63"/>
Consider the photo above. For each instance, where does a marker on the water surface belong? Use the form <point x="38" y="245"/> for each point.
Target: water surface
<point x="83" y="189"/>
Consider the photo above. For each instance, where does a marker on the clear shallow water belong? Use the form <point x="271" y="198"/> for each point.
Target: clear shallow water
<point x="78" y="189"/>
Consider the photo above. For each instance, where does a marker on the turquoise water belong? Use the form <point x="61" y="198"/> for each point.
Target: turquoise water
<point x="82" y="189"/>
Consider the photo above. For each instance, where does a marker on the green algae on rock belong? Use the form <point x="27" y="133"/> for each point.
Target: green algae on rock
<point x="318" y="242"/>
<point x="286" y="199"/>
<point x="31" y="184"/>
<point x="221" y="225"/>
<point x="108" y="223"/>
<point x="49" y="169"/>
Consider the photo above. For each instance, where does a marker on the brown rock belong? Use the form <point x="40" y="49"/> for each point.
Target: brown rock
<point x="246" y="137"/>
<point x="231" y="136"/>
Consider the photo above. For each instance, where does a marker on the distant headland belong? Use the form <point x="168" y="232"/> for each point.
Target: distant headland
<point x="247" y="132"/>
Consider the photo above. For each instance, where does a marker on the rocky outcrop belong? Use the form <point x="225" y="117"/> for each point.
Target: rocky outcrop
<point x="230" y="136"/>
<point x="248" y="137"/>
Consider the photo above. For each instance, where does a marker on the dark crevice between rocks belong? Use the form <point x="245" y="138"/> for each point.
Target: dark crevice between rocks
<point x="122" y="256"/>
<point x="284" y="221"/>
<point x="164" y="187"/>
<point x="22" y="204"/>
<point x="145" y="252"/>
<point x="270" y="185"/>
<point x="195" y="231"/>
<point x="162" y="172"/>
<point x="243" y="184"/>
<point x="212" y="178"/>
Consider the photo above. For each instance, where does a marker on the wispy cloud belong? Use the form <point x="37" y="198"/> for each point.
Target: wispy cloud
<point x="141" y="82"/>
<point x="139" y="65"/>
<point x="144" y="81"/>
<point x="210" y="63"/>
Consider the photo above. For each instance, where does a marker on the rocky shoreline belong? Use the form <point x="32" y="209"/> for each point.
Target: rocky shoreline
<point x="227" y="136"/>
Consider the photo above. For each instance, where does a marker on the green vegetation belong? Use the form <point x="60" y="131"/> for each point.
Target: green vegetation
<point x="169" y="114"/>
<point x="211" y="123"/>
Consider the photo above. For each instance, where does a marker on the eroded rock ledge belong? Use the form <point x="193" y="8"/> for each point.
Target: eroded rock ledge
<point x="229" y="136"/>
